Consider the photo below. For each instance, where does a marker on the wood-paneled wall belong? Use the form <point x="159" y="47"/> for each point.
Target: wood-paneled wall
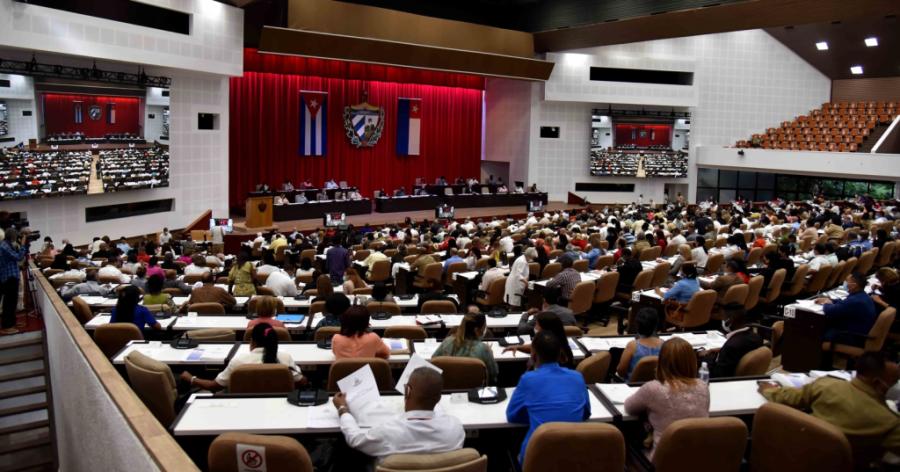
<point x="878" y="89"/>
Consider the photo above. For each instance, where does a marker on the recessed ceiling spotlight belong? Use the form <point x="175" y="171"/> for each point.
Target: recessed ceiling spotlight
<point x="822" y="46"/>
<point x="872" y="42"/>
<point x="856" y="70"/>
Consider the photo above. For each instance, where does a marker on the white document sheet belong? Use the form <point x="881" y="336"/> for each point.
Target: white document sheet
<point x="415" y="361"/>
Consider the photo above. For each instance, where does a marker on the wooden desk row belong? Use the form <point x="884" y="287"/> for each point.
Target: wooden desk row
<point x="218" y="354"/>
<point x="206" y="415"/>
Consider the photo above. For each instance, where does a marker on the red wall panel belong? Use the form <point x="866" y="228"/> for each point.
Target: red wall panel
<point x="264" y="131"/>
<point x="59" y="114"/>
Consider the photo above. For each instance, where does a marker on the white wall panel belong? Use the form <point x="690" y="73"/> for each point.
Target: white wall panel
<point x="198" y="65"/>
<point x="745" y="82"/>
<point x="214" y="45"/>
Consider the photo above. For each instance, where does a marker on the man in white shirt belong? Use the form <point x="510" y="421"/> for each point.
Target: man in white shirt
<point x="820" y="260"/>
<point x="300" y="198"/>
<point x="331" y="184"/>
<point x="111" y="271"/>
<point x="281" y="283"/>
<point x="217" y="234"/>
<point x="506" y="244"/>
<point x="419" y="430"/>
<point x="165" y="236"/>
<point x="677" y="238"/>
<point x="493" y="273"/>
<point x="197" y="266"/>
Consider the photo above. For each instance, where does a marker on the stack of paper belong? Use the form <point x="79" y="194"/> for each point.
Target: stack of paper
<point x="791" y="380"/>
<point x="617" y="393"/>
<point x="428" y="319"/>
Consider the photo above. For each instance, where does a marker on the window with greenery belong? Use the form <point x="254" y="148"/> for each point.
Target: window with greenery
<point x="726" y="185"/>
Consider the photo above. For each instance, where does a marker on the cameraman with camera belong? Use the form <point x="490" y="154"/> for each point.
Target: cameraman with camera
<point x="13" y="250"/>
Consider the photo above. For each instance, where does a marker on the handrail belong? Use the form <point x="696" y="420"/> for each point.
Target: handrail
<point x="200" y="223"/>
<point x="160" y="445"/>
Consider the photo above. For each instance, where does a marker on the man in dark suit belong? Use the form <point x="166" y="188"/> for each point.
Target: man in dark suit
<point x="741" y="340"/>
<point x="628" y="270"/>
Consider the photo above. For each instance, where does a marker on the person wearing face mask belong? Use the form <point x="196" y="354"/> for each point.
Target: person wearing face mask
<point x="856" y="407"/>
<point x="854" y="314"/>
<point x="467" y="343"/>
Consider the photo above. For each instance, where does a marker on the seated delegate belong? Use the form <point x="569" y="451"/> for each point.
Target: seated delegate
<point x="420" y="429"/>
<point x="355" y="339"/>
<point x="466" y="342"/>
<point x="550" y="392"/>
<point x="676" y="393"/>
<point x="127" y="310"/>
<point x="263" y="350"/>
<point x="647" y="342"/>
<point x="856" y="407"/>
<point x="854" y="314"/>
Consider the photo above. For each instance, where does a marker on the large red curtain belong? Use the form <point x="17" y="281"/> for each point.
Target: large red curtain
<point x="264" y="133"/>
<point x="59" y="114"/>
<point x="642" y="135"/>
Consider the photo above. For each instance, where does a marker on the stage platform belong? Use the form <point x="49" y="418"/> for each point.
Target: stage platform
<point x="389" y="218"/>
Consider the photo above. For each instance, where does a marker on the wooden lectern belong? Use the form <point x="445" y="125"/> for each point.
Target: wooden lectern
<point x="259" y="212"/>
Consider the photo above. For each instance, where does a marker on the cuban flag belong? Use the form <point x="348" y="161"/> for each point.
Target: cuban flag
<point x="79" y="117"/>
<point x="111" y="113"/>
<point x="312" y="123"/>
<point x="408" y="126"/>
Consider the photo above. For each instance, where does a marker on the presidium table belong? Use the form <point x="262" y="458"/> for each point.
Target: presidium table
<point x="471" y="200"/>
<point x="316" y="209"/>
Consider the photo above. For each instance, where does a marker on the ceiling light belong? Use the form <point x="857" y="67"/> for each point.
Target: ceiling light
<point x="822" y="46"/>
<point x="856" y="70"/>
<point x="872" y="42"/>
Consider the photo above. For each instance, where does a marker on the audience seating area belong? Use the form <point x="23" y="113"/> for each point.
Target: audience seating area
<point x="128" y="169"/>
<point x="628" y="162"/>
<point x="40" y="174"/>
<point x="835" y="127"/>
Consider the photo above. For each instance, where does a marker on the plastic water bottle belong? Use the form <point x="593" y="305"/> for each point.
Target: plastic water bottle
<point x="704" y="373"/>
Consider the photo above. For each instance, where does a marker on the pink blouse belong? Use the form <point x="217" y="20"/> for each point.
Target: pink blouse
<point x="367" y="345"/>
<point x="271" y="321"/>
<point x="665" y="405"/>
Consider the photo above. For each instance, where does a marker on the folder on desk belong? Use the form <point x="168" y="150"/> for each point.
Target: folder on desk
<point x="397" y="345"/>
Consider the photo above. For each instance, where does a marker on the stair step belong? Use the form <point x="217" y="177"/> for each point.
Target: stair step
<point x="22" y="403"/>
<point x="24" y="439"/>
<point x="21" y="339"/>
<point x="22" y="421"/>
<point x="28" y="458"/>
<point x="21" y="370"/>
<point x="25" y="353"/>
<point x="12" y="388"/>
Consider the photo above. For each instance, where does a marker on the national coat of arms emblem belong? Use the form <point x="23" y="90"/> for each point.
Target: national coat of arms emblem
<point x="364" y="123"/>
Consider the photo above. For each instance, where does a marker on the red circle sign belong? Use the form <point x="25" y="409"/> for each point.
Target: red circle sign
<point x="251" y="459"/>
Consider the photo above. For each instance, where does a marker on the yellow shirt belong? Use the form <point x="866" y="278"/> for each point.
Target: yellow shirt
<point x="853" y="407"/>
<point x="277" y="243"/>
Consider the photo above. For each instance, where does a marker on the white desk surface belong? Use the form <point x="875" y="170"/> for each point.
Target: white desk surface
<point x="729" y="398"/>
<point x="708" y="340"/>
<point x="235" y="322"/>
<point x="803" y="305"/>
<point x="585" y="277"/>
<point x="450" y="321"/>
<point x="203" y="354"/>
<point x="426" y="350"/>
<point x="100" y="320"/>
<point x="209" y="416"/>
<point x="96" y="302"/>
<point x="305" y="354"/>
